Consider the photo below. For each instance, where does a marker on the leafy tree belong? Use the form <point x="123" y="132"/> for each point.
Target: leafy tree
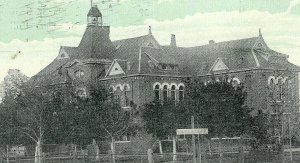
<point x="30" y="117"/>
<point x="259" y="130"/>
<point x="13" y="82"/>
<point x="219" y="106"/>
<point x="162" y="118"/>
<point x="96" y="117"/>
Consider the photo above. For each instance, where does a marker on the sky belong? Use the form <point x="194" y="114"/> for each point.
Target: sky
<point x="32" y="31"/>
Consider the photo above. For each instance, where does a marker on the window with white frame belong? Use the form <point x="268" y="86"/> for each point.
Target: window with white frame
<point x="156" y="92"/>
<point x="165" y="92"/>
<point x="280" y="89"/>
<point x="181" y="93"/>
<point x="117" y="94"/>
<point x="173" y="92"/>
<point x="126" y="95"/>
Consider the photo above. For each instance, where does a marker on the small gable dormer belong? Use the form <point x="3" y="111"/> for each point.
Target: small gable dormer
<point x="117" y="67"/>
<point x="63" y="54"/>
<point x="218" y="66"/>
<point x="94" y="17"/>
<point x="260" y="44"/>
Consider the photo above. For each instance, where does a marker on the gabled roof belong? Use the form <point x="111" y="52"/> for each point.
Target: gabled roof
<point x="130" y="49"/>
<point x="236" y="54"/>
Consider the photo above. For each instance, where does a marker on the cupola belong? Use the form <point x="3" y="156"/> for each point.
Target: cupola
<point x="94" y="17"/>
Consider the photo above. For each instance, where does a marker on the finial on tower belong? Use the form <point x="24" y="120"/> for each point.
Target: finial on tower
<point x="260" y="34"/>
<point x="150" y="31"/>
<point x="91" y="3"/>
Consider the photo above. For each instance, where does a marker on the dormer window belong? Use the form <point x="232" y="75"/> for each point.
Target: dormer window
<point x="164" y="67"/>
<point x="63" y="55"/>
<point x="79" y="74"/>
<point x="172" y="67"/>
<point x="150" y="44"/>
<point x="259" y="45"/>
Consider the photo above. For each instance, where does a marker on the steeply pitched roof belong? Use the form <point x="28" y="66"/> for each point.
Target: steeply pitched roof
<point x="236" y="54"/>
<point x="95" y="43"/>
<point x="129" y="49"/>
<point x="94" y="11"/>
<point x="95" y="46"/>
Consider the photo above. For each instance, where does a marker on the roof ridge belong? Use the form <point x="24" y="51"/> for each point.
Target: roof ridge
<point x="131" y="38"/>
<point x="188" y="47"/>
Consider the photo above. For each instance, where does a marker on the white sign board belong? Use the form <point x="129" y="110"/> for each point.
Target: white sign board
<point x="195" y="131"/>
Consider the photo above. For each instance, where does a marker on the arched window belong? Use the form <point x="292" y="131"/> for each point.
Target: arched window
<point x="181" y="93"/>
<point x="173" y="93"/>
<point x="126" y="94"/>
<point x="156" y="92"/>
<point x="117" y="93"/>
<point x="165" y="92"/>
<point x="79" y="74"/>
<point x="271" y="82"/>
<point x="235" y="82"/>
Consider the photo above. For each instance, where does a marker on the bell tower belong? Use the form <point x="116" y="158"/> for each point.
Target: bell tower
<point x="94" y="17"/>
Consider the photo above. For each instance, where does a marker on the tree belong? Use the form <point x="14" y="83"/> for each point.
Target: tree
<point x="220" y="107"/>
<point x="98" y="116"/>
<point x="10" y="89"/>
<point x="13" y="82"/>
<point x="162" y="118"/>
<point x="31" y="117"/>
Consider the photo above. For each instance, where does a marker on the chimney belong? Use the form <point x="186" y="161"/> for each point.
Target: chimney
<point x="173" y="41"/>
<point x="128" y="65"/>
<point x="150" y="31"/>
<point x="211" y="42"/>
<point x="259" y="33"/>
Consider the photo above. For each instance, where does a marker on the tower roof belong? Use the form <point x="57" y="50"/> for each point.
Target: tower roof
<point x="94" y="11"/>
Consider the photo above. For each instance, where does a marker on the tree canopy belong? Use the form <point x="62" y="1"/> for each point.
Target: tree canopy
<point x="218" y="106"/>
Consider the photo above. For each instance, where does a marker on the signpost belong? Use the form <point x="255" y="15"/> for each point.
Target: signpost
<point x="193" y="131"/>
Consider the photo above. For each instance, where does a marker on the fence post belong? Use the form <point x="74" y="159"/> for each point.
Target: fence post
<point x="150" y="156"/>
<point x="241" y="157"/>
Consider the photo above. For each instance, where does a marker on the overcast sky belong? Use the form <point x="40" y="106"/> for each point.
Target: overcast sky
<point x="37" y="28"/>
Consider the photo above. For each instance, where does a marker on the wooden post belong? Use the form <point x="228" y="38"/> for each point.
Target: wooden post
<point x="193" y="140"/>
<point x="150" y="156"/>
<point x="113" y="154"/>
<point x="241" y="158"/>
<point x="174" y="149"/>
<point x="199" y="149"/>
<point x="160" y="147"/>
<point x="7" y="154"/>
